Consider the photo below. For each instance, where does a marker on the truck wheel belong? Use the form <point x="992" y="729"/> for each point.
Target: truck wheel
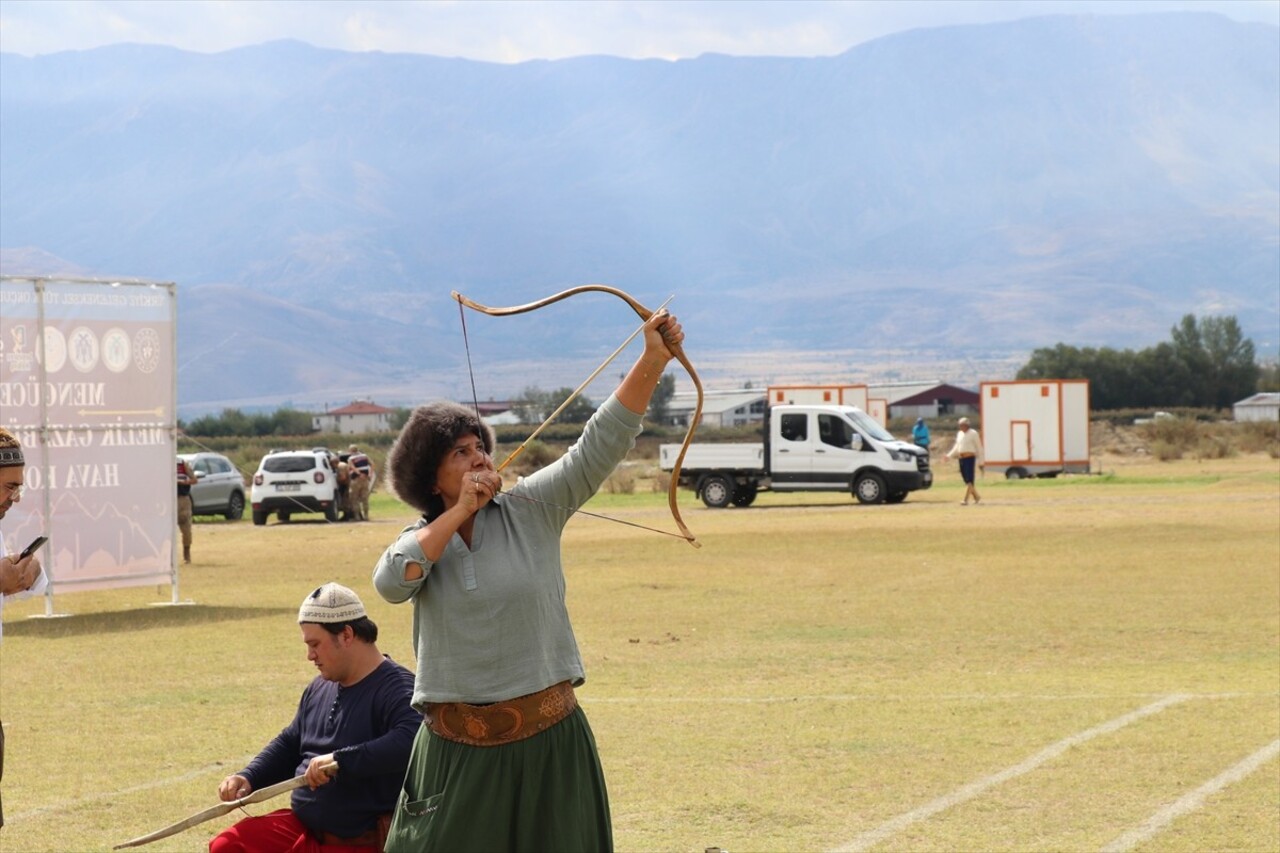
<point x="331" y="511"/>
<point x="282" y="516"/>
<point x="259" y="518"/>
<point x="745" y="495"/>
<point x="869" y="489"/>
<point x="896" y="498"/>
<point x="717" y="491"/>
<point x="1015" y="474"/>
<point x="235" y="507"/>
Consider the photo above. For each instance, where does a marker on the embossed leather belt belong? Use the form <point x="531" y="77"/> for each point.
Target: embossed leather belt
<point x="502" y="722"/>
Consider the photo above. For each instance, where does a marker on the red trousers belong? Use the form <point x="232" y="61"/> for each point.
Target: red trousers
<point x="278" y="832"/>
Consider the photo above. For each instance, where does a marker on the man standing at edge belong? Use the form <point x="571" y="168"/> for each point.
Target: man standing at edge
<point x="17" y="577"/>
<point x="186" y="479"/>
<point x="969" y="448"/>
<point x="356" y="713"/>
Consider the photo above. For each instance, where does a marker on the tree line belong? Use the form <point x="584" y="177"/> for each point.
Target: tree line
<point x="1207" y="363"/>
<point x="534" y="405"/>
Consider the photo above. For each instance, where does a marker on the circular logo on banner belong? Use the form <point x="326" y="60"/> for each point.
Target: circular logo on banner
<point x="83" y="348"/>
<point x="116" y="351"/>
<point x="54" y="351"/>
<point x="146" y="350"/>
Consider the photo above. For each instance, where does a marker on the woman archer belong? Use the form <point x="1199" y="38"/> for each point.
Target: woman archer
<point x="505" y="759"/>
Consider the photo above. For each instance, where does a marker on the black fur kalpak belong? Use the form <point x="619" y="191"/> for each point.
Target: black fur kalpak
<point x="416" y="455"/>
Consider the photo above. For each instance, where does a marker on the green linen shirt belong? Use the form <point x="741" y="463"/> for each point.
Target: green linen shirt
<point x="490" y="621"/>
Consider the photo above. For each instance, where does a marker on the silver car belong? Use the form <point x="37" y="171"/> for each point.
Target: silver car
<point x="219" y="487"/>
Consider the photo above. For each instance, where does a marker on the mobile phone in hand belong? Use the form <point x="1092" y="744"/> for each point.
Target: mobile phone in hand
<point x="31" y="549"/>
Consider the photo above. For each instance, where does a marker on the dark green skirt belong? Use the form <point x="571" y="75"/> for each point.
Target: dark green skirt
<point x="544" y="793"/>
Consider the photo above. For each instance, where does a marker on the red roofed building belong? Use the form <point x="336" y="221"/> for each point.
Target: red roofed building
<point x="360" y="416"/>
<point x="913" y="400"/>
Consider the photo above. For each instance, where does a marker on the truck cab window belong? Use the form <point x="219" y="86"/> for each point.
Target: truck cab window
<point x="835" y="431"/>
<point x="795" y="427"/>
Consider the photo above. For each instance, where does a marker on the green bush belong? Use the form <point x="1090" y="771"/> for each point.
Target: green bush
<point x="621" y="482"/>
<point x="1259" y="437"/>
<point x="1184" y="434"/>
<point x="536" y="454"/>
<point x="1214" y="447"/>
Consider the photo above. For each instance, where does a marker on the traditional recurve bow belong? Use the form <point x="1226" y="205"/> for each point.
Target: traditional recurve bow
<point x="676" y="350"/>
<point x="225" y="808"/>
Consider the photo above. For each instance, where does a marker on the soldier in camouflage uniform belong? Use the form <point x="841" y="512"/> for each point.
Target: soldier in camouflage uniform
<point x="186" y="479"/>
<point x="361" y="468"/>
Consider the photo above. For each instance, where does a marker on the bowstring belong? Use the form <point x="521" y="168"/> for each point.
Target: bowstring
<point x="471" y="374"/>
<point x="475" y="400"/>
<point x="581" y="511"/>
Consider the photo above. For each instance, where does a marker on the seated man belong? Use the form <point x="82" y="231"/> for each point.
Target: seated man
<point x="356" y="713"/>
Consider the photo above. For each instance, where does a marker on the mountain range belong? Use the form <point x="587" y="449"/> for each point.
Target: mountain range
<point x="935" y="203"/>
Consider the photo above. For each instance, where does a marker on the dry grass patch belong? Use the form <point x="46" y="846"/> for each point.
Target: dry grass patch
<point x="816" y="669"/>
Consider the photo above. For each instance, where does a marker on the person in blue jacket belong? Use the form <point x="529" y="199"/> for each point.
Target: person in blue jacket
<point x="920" y="434"/>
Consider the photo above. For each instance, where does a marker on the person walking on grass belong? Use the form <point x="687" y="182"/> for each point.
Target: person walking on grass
<point x="505" y="759"/>
<point x="355" y="713"/>
<point x="968" y="448"/>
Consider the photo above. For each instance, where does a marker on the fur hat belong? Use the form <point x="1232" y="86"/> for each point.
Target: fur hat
<point x="423" y="442"/>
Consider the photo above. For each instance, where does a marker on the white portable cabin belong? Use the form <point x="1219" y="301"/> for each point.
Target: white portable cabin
<point x="836" y="395"/>
<point x="1035" y="427"/>
<point x="878" y="409"/>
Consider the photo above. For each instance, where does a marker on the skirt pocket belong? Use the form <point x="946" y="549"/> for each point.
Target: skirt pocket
<point x="411" y="825"/>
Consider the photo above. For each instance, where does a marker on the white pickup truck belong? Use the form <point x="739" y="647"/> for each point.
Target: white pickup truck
<point x="806" y="448"/>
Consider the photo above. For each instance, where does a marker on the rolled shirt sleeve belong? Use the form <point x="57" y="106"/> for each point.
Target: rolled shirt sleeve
<point x="389" y="572"/>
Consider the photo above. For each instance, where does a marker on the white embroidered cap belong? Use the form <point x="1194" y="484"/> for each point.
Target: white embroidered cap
<point x="331" y="603"/>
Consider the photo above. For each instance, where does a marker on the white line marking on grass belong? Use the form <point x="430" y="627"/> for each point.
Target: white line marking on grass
<point x="1192" y="801"/>
<point x="967" y="792"/>
<point x="586" y="699"/>
<point x="65" y="805"/>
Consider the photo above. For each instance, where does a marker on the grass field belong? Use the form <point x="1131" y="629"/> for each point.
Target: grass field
<point x="1086" y="663"/>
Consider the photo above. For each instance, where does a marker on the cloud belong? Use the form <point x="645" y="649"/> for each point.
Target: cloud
<point x="507" y="31"/>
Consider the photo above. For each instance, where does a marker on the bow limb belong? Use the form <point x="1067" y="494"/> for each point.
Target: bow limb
<point x="694" y="420"/>
<point x="644" y="313"/>
<point x="182" y="825"/>
<point x="223" y="808"/>
<point x="676" y="350"/>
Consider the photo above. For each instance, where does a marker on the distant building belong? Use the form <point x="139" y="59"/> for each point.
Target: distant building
<point x="747" y="406"/>
<point x="360" y="416"/>
<point x="491" y="408"/>
<point x="720" y="409"/>
<point x="1259" y="407"/>
<point x="926" y="400"/>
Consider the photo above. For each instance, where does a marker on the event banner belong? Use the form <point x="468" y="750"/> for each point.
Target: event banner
<point x="87" y="383"/>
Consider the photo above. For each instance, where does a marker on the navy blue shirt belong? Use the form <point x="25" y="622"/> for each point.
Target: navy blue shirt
<point x="369" y="727"/>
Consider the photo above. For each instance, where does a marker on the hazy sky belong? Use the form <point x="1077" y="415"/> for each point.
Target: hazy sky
<point x="502" y="31"/>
